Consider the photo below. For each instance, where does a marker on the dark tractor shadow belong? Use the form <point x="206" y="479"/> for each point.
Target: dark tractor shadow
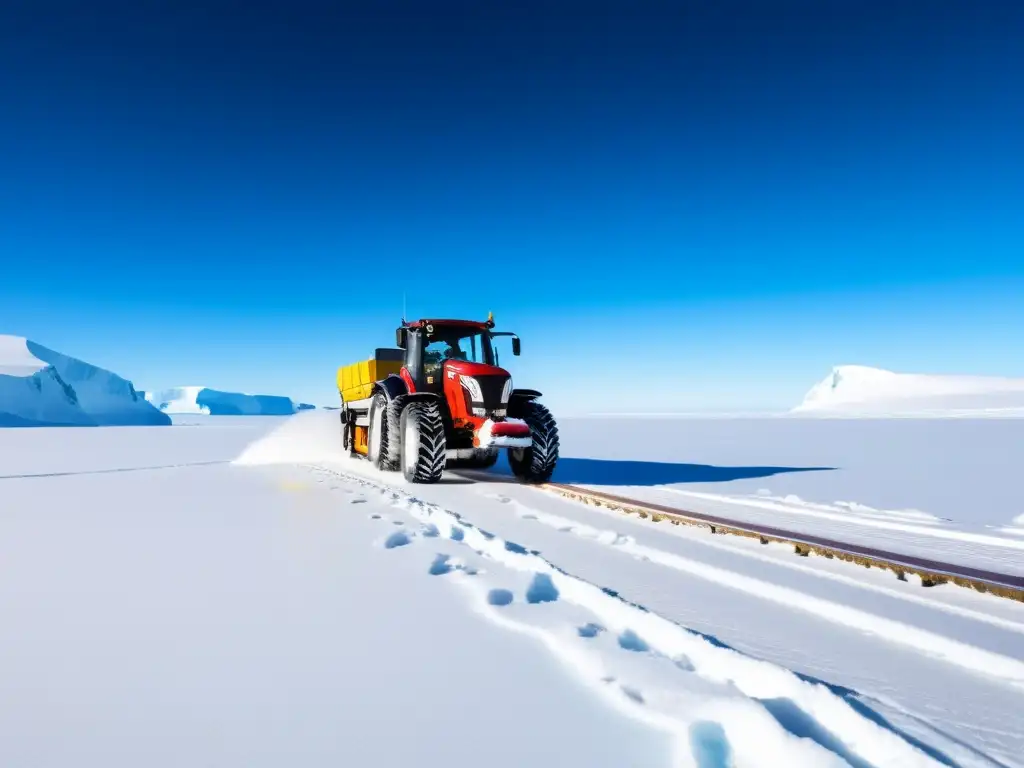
<point x="576" y="471"/>
<point x="615" y="472"/>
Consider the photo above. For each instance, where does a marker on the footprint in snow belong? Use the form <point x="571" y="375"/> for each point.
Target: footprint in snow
<point x="442" y="564"/>
<point x="500" y="597"/>
<point x="375" y="516"/>
<point x="589" y="630"/>
<point x="446" y="564"/>
<point x="632" y="693"/>
<point x="541" y="590"/>
<point x="684" y="663"/>
<point x="631" y="641"/>
<point x="357" y="501"/>
<point x="397" y="539"/>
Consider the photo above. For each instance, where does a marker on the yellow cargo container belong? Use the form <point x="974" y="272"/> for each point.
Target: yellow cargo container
<point x="356" y="380"/>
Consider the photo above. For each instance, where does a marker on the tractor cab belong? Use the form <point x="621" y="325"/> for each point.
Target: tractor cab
<point x="436" y="349"/>
<point x="430" y="344"/>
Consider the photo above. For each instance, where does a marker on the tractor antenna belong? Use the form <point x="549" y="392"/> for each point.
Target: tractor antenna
<point x="403" y="307"/>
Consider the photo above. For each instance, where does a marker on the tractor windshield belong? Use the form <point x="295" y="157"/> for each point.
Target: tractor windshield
<point x="458" y="343"/>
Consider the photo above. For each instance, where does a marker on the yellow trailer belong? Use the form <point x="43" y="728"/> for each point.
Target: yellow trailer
<point x="355" y="383"/>
<point x="356" y="380"/>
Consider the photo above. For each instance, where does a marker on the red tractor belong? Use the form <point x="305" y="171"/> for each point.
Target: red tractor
<point x="446" y="403"/>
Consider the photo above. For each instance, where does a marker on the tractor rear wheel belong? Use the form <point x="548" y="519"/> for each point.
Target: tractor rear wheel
<point x="423" y="442"/>
<point x="536" y="463"/>
<point x="378" y="450"/>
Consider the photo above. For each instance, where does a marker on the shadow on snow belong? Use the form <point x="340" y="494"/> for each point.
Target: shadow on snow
<point x="580" y="471"/>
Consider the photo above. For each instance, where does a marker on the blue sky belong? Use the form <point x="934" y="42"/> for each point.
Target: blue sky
<point x="728" y="197"/>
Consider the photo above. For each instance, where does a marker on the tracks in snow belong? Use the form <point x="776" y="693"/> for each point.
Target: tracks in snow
<point x="969" y="657"/>
<point x="718" y="703"/>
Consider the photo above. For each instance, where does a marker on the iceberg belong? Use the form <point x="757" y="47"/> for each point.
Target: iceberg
<point x="43" y="388"/>
<point x="214" y="402"/>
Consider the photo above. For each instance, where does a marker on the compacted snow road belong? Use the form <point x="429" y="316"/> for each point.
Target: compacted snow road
<point x="166" y="606"/>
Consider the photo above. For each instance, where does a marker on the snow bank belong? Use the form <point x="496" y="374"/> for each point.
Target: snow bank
<point x="213" y="402"/>
<point x="859" y="389"/>
<point x="43" y="388"/>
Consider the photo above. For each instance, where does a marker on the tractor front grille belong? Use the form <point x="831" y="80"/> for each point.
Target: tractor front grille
<point x="491" y="386"/>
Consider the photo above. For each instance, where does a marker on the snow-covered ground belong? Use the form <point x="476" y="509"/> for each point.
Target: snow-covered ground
<point x="41" y="387"/>
<point x="214" y="402"/>
<point x="165" y="606"/>
<point x="854" y="390"/>
<point x="945" y="489"/>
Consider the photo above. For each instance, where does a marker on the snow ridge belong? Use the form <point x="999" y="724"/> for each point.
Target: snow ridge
<point x="41" y="387"/>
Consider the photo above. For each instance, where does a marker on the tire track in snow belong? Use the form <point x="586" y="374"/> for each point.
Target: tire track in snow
<point x="888" y="525"/>
<point x="969" y="657"/>
<point x="859" y="738"/>
<point x="565" y="524"/>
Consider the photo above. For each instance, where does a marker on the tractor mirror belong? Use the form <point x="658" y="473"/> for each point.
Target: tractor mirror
<point x="516" y="348"/>
<point x="400" y="338"/>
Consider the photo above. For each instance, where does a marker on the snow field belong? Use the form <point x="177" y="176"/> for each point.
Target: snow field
<point x="309" y="606"/>
<point x="173" y="615"/>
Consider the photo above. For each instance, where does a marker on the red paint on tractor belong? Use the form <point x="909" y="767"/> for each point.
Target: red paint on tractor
<point x="407" y="378"/>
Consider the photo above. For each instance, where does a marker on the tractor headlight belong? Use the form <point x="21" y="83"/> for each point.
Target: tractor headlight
<point x="506" y="393"/>
<point x="472" y="386"/>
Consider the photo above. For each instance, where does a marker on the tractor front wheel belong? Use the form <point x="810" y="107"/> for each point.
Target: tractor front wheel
<point x="536" y="463"/>
<point x="423" y="442"/>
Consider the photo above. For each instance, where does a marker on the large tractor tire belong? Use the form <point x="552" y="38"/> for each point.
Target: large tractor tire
<point x="536" y="463"/>
<point x="423" y="444"/>
<point x="379" y="450"/>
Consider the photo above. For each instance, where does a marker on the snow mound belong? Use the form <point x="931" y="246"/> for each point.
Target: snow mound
<point x="860" y="389"/>
<point x="312" y="436"/>
<point x="214" y="402"/>
<point x="43" y="388"/>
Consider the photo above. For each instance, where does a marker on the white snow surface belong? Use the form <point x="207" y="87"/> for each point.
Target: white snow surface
<point x="226" y="593"/>
<point x="194" y="400"/>
<point x="40" y="387"/>
<point x="828" y="649"/>
<point x="857" y="389"/>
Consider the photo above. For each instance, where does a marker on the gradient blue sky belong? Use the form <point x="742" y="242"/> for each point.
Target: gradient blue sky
<point x="729" y="196"/>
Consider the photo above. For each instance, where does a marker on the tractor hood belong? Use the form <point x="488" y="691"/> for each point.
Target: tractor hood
<point x="455" y="368"/>
<point x="487" y="388"/>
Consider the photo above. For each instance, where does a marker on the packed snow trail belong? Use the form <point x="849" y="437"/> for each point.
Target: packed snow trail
<point x="853" y="736"/>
